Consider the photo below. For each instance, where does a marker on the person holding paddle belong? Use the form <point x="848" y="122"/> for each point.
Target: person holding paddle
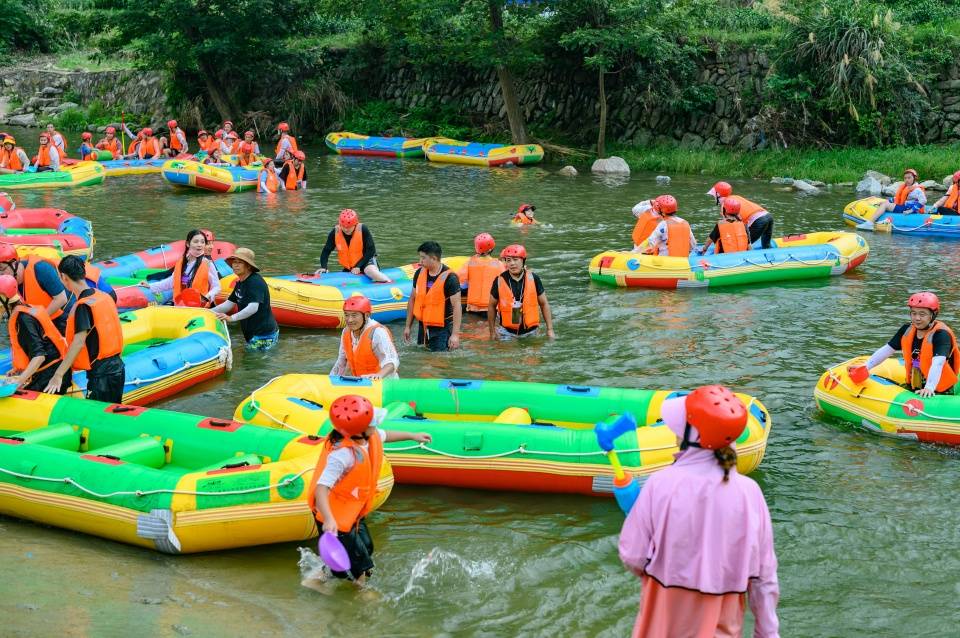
<point x="35" y="343"/>
<point x="344" y="483"/>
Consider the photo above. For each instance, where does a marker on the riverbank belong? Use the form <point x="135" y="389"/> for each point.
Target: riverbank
<point x="831" y="166"/>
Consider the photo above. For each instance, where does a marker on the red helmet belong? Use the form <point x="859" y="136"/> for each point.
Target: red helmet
<point x="484" y="243"/>
<point x="86" y="135"/>
<point x="148" y="131"/>
<point x="218" y="134"/>
<point x="926" y="300"/>
<point x="208" y="235"/>
<point x="202" y="133"/>
<point x="283" y="126"/>
<point x="956" y="177"/>
<point x="665" y="204"/>
<point x="731" y="206"/>
<point x="8" y="287"/>
<point x="250" y="133"/>
<point x="349" y="218"/>
<point x="172" y="124"/>
<point x="357" y="303"/>
<point x="351" y="414"/>
<point x="111" y="129"/>
<point x="300" y="155"/>
<point x="525" y="207"/>
<point x="514" y="250"/>
<point x="8" y="253"/>
<point x="225" y="122"/>
<point x="719" y="416"/>
<point x="913" y="172"/>
<point x="722" y="189"/>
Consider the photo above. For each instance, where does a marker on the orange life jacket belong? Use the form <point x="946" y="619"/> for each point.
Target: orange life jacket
<point x="953" y="198"/>
<point x="903" y="192"/>
<point x="20" y="358"/>
<point x="175" y="143"/>
<point x="362" y="360"/>
<point x="245" y="159"/>
<point x="530" y="310"/>
<point x="748" y="210"/>
<point x="349" y="253"/>
<point x="293" y="144"/>
<point x="352" y="497"/>
<point x="107" y="323"/>
<point x="645" y="226"/>
<point x="479" y="274"/>
<point x="429" y="305"/>
<point x="294" y="176"/>
<point x="948" y="378"/>
<point x="135" y="144"/>
<point x="200" y="280"/>
<point x="678" y="237"/>
<point x="91" y="156"/>
<point x="43" y="155"/>
<point x="520" y="218"/>
<point x="12" y="159"/>
<point x="33" y="293"/>
<point x="149" y="149"/>
<point x="111" y="145"/>
<point x="209" y="146"/>
<point x="272" y="185"/>
<point x="733" y="237"/>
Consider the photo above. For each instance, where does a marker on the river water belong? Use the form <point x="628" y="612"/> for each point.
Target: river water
<point x="866" y="527"/>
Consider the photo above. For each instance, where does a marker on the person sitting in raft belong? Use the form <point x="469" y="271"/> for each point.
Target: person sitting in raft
<point x="227" y="143"/>
<point x="434" y="302"/>
<point x="87" y="151"/>
<point x="111" y="143"/>
<point x="251" y="139"/>
<point x="194" y="271"/>
<point x="949" y="204"/>
<point x="524" y="216"/>
<point x="251" y="299"/>
<point x="699" y="535"/>
<point x="13" y="159"/>
<point x="909" y="198"/>
<point x="517" y="295"/>
<point x="730" y="234"/>
<point x="227" y="127"/>
<point x="286" y="144"/>
<point x="294" y="172"/>
<point x="59" y="140"/>
<point x="149" y="146"/>
<point x="933" y="360"/>
<point x="756" y="218"/>
<point x="245" y="154"/>
<point x="647" y="220"/>
<point x="366" y="346"/>
<point x="35" y="343"/>
<point x="482" y="270"/>
<point x="94" y="337"/>
<point x="48" y="157"/>
<point x="213" y="159"/>
<point x="267" y="180"/>
<point x="345" y="479"/>
<point x="178" y="140"/>
<point x="356" y="251"/>
<point x="672" y="236"/>
<point x="203" y="141"/>
<point x="133" y="148"/>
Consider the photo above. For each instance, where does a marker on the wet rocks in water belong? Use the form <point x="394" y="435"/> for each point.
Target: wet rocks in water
<point x="932" y="185"/>
<point x="884" y="180"/>
<point x="610" y="166"/>
<point x="892" y="189"/>
<point x="804" y="187"/>
<point x="869" y="186"/>
<point x="567" y="171"/>
<point x="183" y="630"/>
<point x="27" y="119"/>
<point x="782" y="181"/>
<point x="144" y="600"/>
<point x="663" y="180"/>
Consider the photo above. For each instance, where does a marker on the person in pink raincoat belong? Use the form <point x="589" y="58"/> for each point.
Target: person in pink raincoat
<point x="699" y="535"/>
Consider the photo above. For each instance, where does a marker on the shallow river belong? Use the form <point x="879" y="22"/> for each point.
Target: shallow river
<point x="866" y="527"/>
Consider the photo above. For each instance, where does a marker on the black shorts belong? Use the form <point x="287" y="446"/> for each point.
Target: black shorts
<point x="359" y="546"/>
<point x="40" y="380"/>
<point x="943" y="210"/>
<point x="105" y="381"/>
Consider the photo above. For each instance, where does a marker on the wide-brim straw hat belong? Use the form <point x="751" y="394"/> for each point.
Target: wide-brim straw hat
<point x="245" y="255"/>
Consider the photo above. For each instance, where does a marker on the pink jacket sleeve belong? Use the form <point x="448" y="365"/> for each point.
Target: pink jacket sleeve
<point x="636" y="533"/>
<point x="763" y="592"/>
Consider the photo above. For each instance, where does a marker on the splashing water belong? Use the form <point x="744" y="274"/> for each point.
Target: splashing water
<point x="311" y="565"/>
<point x="440" y="565"/>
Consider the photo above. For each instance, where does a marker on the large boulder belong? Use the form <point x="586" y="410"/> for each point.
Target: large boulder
<point x="663" y="180"/>
<point x="932" y="185"/>
<point x="804" y="187"/>
<point x="610" y="166"/>
<point x="891" y="189"/>
<point x="567" y="171"/>
<point x="869" y="186"/>
<point x="50" y="91"/>
<point x="884" y="180"/>
<point x="27" y="119"/>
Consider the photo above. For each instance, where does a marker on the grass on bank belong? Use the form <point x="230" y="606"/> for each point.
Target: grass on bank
<point x="831" y="166"/>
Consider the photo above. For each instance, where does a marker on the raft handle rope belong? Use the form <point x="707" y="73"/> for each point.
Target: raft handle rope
<point x="907" y="407"/>
<point x="142" y="493"/>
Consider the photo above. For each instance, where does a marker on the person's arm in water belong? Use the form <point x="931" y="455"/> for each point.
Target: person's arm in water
<point x="457" y="318"/>
<point x="408" y="322"/>
<point x="547" y="314"/>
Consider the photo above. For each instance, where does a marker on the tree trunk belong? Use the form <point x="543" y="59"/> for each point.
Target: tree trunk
<point x="518" y="126"/>
<point x="221" y="100"/>
<point x="602" y="134"/>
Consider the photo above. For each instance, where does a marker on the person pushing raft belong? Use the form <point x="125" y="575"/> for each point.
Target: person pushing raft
<point x="929" y="347"/>
<point x="699" y="535"/>
<point x="356" y="251"/>
<point x="344" y="483"/>
<point x="366" y="346"/>
<point x="251" y="299"/>
<point x="35" y="343"/>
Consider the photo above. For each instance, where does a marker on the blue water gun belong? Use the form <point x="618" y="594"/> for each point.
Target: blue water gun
<point x="626" y="488"/>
